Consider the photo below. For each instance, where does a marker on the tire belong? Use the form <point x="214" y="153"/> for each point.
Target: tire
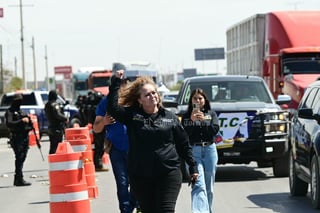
<point x="281" y="166"/>
<point x="297" y="186"/>
<point x="315" y="182"/>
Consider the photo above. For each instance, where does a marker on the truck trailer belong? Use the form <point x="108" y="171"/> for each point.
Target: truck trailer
<point x="283" y="47"/>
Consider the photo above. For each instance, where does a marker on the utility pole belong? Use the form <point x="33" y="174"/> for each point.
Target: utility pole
<point x="35" y="83"/>
<point x="15" y="67"/>
<point x="22" y="48"/>
<point x="22" y="43"/>
<point x="47" y="71"/>
<point x="1" y="68"/>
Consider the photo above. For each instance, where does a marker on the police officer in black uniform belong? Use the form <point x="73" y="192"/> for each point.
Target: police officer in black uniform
<point x="57" y="121"/>
<point x="19" y="125"/>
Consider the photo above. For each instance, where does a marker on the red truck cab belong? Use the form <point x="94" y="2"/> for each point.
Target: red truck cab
<point x="99" y="81"/>
<point x="292" y="52"/>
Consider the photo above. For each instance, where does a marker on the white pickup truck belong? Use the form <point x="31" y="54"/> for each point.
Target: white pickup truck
<point x="253" y="126"/>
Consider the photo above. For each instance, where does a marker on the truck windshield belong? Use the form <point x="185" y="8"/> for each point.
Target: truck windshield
<point x="101" y="82"/>
<point x="81" y="86"/>
<point x="231" y="91"/>
<point x="301" y="64"/>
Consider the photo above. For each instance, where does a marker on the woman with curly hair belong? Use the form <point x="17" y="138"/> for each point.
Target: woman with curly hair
<point x="157" y="140"/>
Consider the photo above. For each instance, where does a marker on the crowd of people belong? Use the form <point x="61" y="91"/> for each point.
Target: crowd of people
<point x="146" y="143"/>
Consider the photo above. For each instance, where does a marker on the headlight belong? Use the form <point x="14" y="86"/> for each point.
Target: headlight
<point x="275" y="128"/>
<point x="275" y="116"/>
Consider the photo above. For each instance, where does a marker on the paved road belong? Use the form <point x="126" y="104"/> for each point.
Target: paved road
<point x="238" y="189"/>
<point x="35" y="199"/>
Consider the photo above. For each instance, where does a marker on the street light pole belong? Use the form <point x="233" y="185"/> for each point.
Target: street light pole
<point x="47" y="71"/>
<point x="1" y="67"/>
<point x="35" y="83"/>
<point x="22" y="48"/>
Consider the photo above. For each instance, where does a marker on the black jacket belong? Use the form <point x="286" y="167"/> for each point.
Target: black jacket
<point x="156" y="142"/>
<point x="14" y="121"/>
<point x="201" y="131"/>
<point x="55" y="116"/>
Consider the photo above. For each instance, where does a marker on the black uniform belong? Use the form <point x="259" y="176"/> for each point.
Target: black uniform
<point x="57" y="121"/>
<point x="156" y="143"/>
<point x="201" y="131"/>
<point x="19" y="139"/>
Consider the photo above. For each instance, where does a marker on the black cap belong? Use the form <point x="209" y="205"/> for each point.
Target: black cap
<point x="118" y="66"/>
<point x="17" y="96"/>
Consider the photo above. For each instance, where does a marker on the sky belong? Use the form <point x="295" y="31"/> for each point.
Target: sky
<point x="96" y="33"/>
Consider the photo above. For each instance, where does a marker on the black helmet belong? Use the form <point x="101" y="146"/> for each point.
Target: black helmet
<point x="52" y="95"/>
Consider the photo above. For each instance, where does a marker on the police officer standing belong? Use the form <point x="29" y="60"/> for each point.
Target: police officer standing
<point x="57" y="121"/>
<point x="19" y="125"/>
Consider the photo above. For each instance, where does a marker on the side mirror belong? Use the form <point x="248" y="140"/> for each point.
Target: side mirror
<point x="306" y="113"/>
<point x="283" y="99"/>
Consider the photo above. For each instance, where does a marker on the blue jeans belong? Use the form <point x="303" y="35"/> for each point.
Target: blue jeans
<point x="202" y="191"/>
<point x="119" y="162"/>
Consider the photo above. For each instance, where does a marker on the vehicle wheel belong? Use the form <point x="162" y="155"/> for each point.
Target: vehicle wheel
<point x="297" y="186"/>
<point x="281" y="166"/>
<point x="74" y="121"/>
<point x="315" y="182"/>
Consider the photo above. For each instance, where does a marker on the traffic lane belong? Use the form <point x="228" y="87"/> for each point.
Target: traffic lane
<point x="246" y="188"/>
<point x="238" y="188"/>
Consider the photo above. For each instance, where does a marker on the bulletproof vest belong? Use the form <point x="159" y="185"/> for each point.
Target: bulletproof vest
<point x="51" y="109"/>
<point x="20" y="127"/>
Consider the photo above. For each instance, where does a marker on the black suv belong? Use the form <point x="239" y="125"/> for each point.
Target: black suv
<point x="304" y="161"/>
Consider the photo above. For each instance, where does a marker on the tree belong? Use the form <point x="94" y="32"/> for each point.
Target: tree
<point x="15" y="84"/>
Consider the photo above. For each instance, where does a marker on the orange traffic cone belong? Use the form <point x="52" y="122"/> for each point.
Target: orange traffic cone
<point x="32" y="134"/>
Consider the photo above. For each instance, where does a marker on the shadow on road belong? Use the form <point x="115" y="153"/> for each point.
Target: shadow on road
<point x="228" y="173"/>
<point x="282" y="202"/>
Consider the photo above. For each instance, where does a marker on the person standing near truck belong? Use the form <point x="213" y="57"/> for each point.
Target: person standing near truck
<point x="157" y="142"/>
<point x="202" y="124"/>
<point x="56" y="119"/>
<point x="19" y="125"/>
<point x="117" y="144"/>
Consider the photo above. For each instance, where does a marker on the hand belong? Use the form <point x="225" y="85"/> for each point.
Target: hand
<point x="193" y="178"/>
<point x="197" y="116"/>
<point x="119" y="74"/>
<point x="25" y="120"/>
<point x="109" y="120"/>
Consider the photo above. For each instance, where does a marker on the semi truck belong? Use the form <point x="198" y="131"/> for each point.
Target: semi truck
<point x="283" y="47"/>
<point x="138" y="68"/>
<point x="99" y="81"/>
<point x="80" y="83"/>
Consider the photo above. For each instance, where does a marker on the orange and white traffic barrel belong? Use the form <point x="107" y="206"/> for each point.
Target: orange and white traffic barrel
<point x="80" y="141"/>
<point x="32" y="134"/>
<point x="90" y="172"/>
<point x="68" y="186"/>
<point x="77" y="132"/>
<point x="79" y="138"/>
